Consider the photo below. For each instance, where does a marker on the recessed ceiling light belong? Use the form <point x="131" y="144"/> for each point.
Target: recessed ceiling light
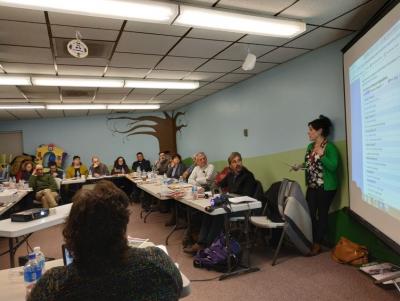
<point x="161" y="84"/>
<point x="20" y="107"/>
<point x="132" y="107"/>
<point x="77" y="82"/>
<point x="15" y="80"/>
<point x="77" y="107"/>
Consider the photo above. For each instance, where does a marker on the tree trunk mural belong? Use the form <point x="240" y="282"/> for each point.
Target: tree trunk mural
<point x="164" y="129"/>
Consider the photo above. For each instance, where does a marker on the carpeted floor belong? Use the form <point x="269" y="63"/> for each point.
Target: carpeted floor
<point x="293" y="278"/>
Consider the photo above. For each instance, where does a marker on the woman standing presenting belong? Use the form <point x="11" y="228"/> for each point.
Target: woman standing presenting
<point x="321" y="163"/>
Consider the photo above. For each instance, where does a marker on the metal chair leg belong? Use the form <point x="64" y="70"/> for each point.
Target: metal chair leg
<point x="279" y="245"/>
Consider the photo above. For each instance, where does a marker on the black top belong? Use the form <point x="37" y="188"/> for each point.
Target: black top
<point x="120" y="169"/>
<point x="144" y="165"/>
<point x="244" y="183"/>
<point x="149" y="274"/>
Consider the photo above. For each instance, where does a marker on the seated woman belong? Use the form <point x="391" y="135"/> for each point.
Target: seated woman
<point x="77" y="169"/>
<point x="120" y="167"/>
<point x="25" y="171"/>
<point x="176" y="168"/>
<point x="104" y="267"/>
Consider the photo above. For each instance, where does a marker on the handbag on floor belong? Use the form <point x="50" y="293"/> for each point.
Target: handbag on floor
<point x="215" y="257"/>
<point x="349" y="252"/>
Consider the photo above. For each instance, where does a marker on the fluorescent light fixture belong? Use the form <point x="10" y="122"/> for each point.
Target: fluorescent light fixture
<point x="132" y="107"/>
<point x="77" y="81"/>
<point x="15" y="80"/>
<point x="134" y="10"/>
<point x="20" y="107"/>
<point x="161" y="84"/>
<point x="76" y="107"/>
<point x="238" y="22"/>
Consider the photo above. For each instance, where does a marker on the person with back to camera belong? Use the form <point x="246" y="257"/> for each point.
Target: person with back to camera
<point x="104" y="267"/>
<point x="320" y="165"/>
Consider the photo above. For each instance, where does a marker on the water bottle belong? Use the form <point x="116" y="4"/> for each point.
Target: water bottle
<point x="78" y="173"/>
<point x="181" y="180"/>
<point x="63" y="176"/>
<point x="194" y="192"/>
<point x="138" y="172"/>
<point x="32" y="272"/>
<point x="40" y="258"/>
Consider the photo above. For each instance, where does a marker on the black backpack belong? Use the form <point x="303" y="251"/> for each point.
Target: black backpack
<point x="272" y="208"/>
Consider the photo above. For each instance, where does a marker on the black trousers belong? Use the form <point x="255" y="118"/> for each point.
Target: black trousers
<point x="319" y="201"/>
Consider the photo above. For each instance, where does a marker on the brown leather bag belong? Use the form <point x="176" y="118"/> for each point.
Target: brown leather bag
<point x="349" y="252"/>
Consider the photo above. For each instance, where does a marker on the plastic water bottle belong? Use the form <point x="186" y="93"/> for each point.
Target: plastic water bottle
<point x="138" y="172"/>
<point x="194" y="192"/>
<point x="78" y="173"/>
<point x="180" y="180"/>
<point x="40" y="258"/>
<point x="32" y="272"/>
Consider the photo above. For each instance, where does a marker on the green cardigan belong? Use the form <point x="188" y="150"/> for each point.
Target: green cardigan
<point x="42" y="182"/>
<point x="330" y="162"/>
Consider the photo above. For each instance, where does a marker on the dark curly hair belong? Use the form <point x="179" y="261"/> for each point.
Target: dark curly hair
<point x="95" y="231"/>
<point x="322" y="122"/>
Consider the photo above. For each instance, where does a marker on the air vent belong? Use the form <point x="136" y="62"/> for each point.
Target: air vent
<point x="78" y="93"/>
<point x="97" y="49"/>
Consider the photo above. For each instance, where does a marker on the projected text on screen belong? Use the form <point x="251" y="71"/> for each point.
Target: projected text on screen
<point x="375" y="113"/>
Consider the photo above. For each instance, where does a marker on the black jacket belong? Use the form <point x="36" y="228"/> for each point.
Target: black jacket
<point x="179" y="171"/>
<point x="244" y="183"/>
<point x="144" y="165"/>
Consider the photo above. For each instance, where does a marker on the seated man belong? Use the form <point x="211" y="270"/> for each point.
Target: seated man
<point x="54" y="171"/>
<point x="98" y="169"/>
<point x="141" y="163"/>
<point x="189" y="170"/>
<point x="239" y="180"/>
<point x="44" y="186"/>
<point x="203" y="174"/>
<point x="161" y="166"/>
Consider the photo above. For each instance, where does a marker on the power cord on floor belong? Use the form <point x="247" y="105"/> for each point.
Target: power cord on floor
<point x="206" y="279"/>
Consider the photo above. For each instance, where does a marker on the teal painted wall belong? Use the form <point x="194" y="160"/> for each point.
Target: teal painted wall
<point x="84" y="136"/>
<point x="274" y="106"/>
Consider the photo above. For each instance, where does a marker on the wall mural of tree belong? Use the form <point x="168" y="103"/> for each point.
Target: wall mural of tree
<point x="164" y="129"/>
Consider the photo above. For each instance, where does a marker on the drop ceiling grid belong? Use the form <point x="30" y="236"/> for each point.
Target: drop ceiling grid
<point x="35" y="54"/>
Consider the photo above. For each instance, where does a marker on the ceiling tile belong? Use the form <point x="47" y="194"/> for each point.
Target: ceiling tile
<point x="39" y="89"/>
<point x="318" y="37"/>
<point x="45" y="100"/>
<point x="76" y="100"/>
<point x="19" y="14"/>
<point x="26" y="114"/>
<point x="320" y="11"/>
<point x="356" y="19"/>
<point x="51" y="113"/>
<point x="204" y="91"/>
<point x="239" y="51"/>
<point x="145" y="43"/>
<point x="220" y="66"/>
<point x="172" y="30"/>
<point x="25" y="34"/>
<point x="165" y="74"/>
<point x="10" y="92"/>
<point x="69" y="32"/>
<point x="139" y="97"/>
<point x="99" y="62"/>
<point x="270" y="7"/>
<point x="199" y="2"/>
<point x="233" y="78"/>
<point x="176" y="92"/>
<point x="142" y="91"/>
<point x="180" y="63"/>
<point x="108" y="98"/>
<point x="29" y="68"/>
<point x="80" y="70"/>
<point x="255" y="39"/>
<point x="25" y="54"/>
<point x="206" y="76"/>
<point x="134" y="60"/>
<point x="214" y="34"/>
<point x="13" y="100"/>
<point x="218" y="86"/>
<point x="281" y="55"/>
<point x="84" y="21"/>
<point x="166" y="97"/>
<point x="198" y="48"/>
<point x="259" y="67"/>
<point x="5" y="116"/>
<point x="126" y="72"/>
<point x="190" y="98"/>
<point x="123" y="91"/>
